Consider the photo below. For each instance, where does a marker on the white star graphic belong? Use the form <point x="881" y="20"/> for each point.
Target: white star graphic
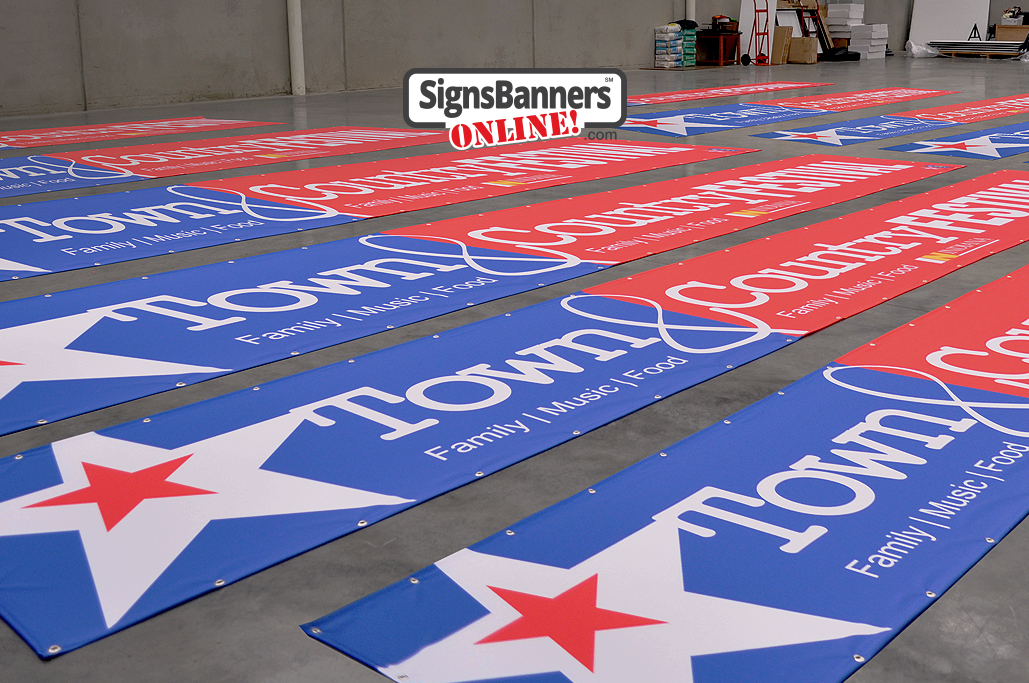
<point x="831" y="136"/>
<point x="641" y="576"/>
<point x="6" y="264"/>
<point x="672" y="124"/>
<point x="981" y="146"/>
<point x="37" y="352"/>
<point x="128" y="547"/>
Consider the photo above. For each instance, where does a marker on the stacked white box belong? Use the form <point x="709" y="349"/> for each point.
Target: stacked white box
<point x="870" y="40"/>
<point x="843" y="17"/>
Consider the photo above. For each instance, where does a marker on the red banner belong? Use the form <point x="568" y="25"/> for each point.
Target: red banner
<point x="860" y="99"/>
<point x="707" y="93"/>
<point x="987" y="351"/>
<point x="179" y="158"/>
<point x="972" y="112"/>
<point x="634" y="222"/>
<point x="42" y="137"/>
<point x="383" y="188"/>
<point x="806" y="279"/>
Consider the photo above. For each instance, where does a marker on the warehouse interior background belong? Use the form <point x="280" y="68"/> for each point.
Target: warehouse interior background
<point x="71" y="62"/>
<point x="74" y="55"/>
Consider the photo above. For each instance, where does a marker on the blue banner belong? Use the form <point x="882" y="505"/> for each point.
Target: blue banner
<point x="66" y="234"/>
<point x="37" y="173"/>
<point x="856" y="131"/>
<point x="684" y="122"/>
<point x="109" y="528"/>
<point x="72" y="352"/>
<point x="787" y="543"/>
<point x="991" y="143"/>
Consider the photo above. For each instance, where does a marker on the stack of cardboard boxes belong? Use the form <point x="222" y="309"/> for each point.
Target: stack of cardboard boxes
<point x="845" y="22"/>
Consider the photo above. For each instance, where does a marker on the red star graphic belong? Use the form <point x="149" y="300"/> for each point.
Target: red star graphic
<point x="653" y="123"/>
<point x="807" y="136"/>
<point x="4" y="362"/>
<point x="571" y="619"/>
<point x="117" y="493"/>
<point x="961" y="146"/>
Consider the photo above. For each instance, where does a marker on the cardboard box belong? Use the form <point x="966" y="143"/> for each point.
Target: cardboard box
<point x="781" y="44"/>
<point x="803" y="50"/>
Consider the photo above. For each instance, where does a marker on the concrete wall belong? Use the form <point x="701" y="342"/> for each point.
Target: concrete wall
<point x="39" y="54"/>
<point x="896" y="13"/>
<point x="138" y="52"/>
<point x="385" y="38"/>
<point x="65" y="55"/>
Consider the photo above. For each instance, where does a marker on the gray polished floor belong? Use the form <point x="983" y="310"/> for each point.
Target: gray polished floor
<point x="978" y="632"/>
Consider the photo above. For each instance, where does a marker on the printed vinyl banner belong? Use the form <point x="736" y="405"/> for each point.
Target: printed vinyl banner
<point x="66" y="234"/>
<point x="706" y="93"/>
<point x="786" y="544"/>
<point x="856" y="131"/>
<point x="710" y="119"/>
<point x="859" y="99"/>
<point x="105" y="529"/>
<point x="991" y="143"/>
<point x="684" y="122"/>
<point x="42" y="137"/>
<point x="67" y="170"/>
<point x="72" y="352"/>
<point x="973" y="112"/>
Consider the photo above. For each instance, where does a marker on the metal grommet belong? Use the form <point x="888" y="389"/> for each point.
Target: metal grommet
<point x="664" y="455"/>
<point x="729" y="366"/>
<point x="858" y="658"/>
<point x="315" y="630"/>
<point x="389" y="327"/>
<point x="507" y="315"/>
<point x="351" y="360"/>
<point x="413" y="580"/>
<point x="781" y="393"/>
<point x="591" y="490"/>
<point x="509" y="532"/>
<point x="930" y="594"/>
<point x="47" y="296"/>
<point x="146" y="419"/>
<point x="990" y="540"/>
<point x="363" y="522"/>
<point x="294" y="353"/>
<point x="19" y="456"/>
<point x="219" y="583"/>
<point x="54" y="649"/>
<point x="727" y="422"/>
<point x="41" y="422"/>
<point x="257" y="388"/>
<point x="480" y="474"/>
<point x="435" y="336"/>
<point x="180" y="384"/>
<point x="657" y="396"/>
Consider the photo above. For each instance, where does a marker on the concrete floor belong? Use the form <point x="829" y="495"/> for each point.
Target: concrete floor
<point x="248" y="631"/>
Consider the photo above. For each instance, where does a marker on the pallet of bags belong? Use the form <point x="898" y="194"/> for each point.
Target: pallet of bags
<point x="668" y="46"/>
<point x="689" y="47"/>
